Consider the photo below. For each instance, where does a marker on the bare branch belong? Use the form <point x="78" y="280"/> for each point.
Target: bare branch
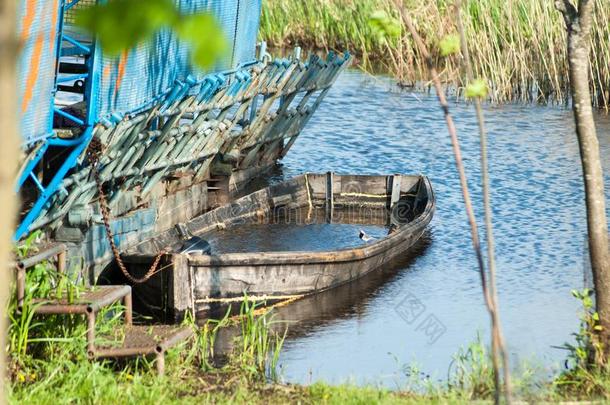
<point x="498" y="346"/>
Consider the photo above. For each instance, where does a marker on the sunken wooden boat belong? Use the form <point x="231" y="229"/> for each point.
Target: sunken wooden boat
<point x="193" y="277"/>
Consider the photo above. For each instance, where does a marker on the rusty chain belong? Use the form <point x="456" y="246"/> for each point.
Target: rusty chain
<point x="94" y="152"/>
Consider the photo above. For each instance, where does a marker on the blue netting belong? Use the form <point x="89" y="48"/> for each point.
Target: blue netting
<point x="247" y="30"/>
<point x="133" y="80"/>
<point x="37" y="28"/>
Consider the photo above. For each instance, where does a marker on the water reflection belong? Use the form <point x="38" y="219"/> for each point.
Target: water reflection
<point x="367" y="126"/>
<point x="313" y="314"/>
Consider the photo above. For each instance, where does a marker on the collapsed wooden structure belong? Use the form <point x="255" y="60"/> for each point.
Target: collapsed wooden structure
<point x="191" y="282"/>
<point x="170" y="139"/>
<point x="119" y="149"/>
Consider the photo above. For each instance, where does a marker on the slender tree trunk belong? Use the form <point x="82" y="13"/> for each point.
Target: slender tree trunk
<point x="578" y="24"/>
<point x="490" y="299"/>
<point x="498" y="346"/>
<point x="8" y="161"/>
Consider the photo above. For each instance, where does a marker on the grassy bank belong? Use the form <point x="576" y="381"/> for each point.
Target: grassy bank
<point x="48" y="361"/>
<point x="53" y="369"/>
<point x="518" y="46"/>
<point x="48" y="364"/>
<point x="58" y="371"/>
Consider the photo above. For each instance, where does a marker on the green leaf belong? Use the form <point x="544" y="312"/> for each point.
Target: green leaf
<point x="121" y="24"/>
<point x="478" y="88"/>
<point x="449" y="45"/>
<point x="598" y="327"/>
<point x="384" y="25"/>
<point x="206" y="37"/>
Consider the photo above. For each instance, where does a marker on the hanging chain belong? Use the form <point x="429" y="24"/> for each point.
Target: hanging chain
<point x="94" y="152"/>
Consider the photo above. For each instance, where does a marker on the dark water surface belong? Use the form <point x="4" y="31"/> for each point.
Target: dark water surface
<point x="288" y="237"/>
<point x="426" y="308"/>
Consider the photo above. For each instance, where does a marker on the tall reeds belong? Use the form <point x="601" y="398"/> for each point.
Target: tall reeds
<point x="517" y="45"/>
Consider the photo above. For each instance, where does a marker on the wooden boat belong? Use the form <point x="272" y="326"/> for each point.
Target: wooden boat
<point x="193" y="280"/>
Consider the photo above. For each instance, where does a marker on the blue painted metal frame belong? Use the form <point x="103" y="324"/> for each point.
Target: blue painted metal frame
<point x="209" y="85"/>
<point x="76" y="43"/>
<point x="78" y="145"/>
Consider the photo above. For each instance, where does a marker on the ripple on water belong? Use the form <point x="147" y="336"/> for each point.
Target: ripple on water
<point x="357" y="334"/>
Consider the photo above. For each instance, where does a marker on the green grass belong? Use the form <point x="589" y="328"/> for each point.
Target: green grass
<point x="518" y="46"/>
<point x="48" y="364"/>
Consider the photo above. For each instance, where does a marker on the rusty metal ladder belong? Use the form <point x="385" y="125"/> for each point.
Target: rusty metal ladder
<point x="138" y="340"/>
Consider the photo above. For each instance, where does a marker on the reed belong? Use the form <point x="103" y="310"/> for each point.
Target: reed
<point x="518" y="46"/>
<point x="48" y="361"/>
<point x="260" y="344"/>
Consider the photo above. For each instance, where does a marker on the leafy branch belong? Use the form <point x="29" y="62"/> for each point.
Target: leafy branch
<point x="122" y="24"/>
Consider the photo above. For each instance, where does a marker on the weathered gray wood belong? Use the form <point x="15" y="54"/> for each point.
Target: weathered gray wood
<point x="180" y="293"/>
<point x="329" y="197"/>
<point x="286" y="273"/>
<point x="395" y="190"/>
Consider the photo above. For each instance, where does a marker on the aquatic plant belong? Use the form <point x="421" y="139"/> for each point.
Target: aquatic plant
<point x="260" y="345"/>
<point x="517" y="45"/>
<point x="471" y="371"/>
<point x="585" y="376"/>
<point x="48" y="357"/>
<point x="471" y="376"/>
<point x="205" y="338"/>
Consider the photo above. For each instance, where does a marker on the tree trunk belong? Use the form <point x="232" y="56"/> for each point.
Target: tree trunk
<point x="490" y="299"/>
<point x="498" y="346"/>
<point x="578" y="24"/>
<point x="9" y="151"/>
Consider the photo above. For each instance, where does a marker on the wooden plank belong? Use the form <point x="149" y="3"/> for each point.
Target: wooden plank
<point x="180" y="298"/>
<point x="395" y="190"/>
<point x="329" y="197"/>
<point x="408" y="184"/>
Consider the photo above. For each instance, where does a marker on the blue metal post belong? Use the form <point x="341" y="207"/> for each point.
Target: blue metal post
<point x="79" y="144"/>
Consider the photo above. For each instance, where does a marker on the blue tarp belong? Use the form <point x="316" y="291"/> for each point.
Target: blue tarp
<point x="37" y="30"/>
<point x="132" y="80"/>
<point x="141" y="74"/>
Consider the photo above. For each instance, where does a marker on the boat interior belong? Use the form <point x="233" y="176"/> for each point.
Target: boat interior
<point x="365" y="202"/>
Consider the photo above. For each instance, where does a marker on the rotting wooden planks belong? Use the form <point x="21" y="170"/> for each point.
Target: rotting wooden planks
<point x="366" y="198"/>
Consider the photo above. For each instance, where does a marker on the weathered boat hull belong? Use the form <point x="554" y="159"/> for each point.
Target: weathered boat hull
<point x="196" y="281"/>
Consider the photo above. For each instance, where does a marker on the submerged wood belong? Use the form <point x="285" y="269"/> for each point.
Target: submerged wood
<point x="405" y="207"/>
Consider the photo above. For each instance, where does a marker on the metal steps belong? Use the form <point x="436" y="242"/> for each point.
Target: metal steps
<point x="137" y="340"/>
<point x="128" y="341"/>
<point x="89" y="304"/>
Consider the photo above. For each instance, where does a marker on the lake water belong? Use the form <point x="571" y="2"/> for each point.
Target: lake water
<point x="289" y="237"/>
<point x="424" y="309"/>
